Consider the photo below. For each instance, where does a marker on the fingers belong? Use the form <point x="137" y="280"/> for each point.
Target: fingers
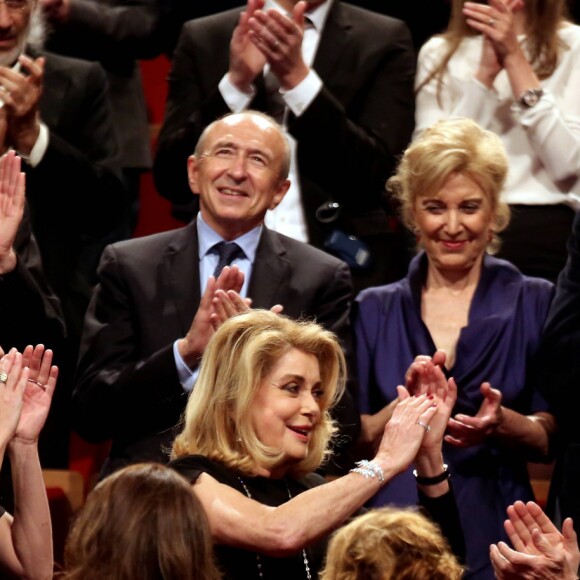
<point x="230" y="278"/>
<point x="402" y="393"/>
<point x="439" y="358"/>
<point x="492" y="395"/>
<point x="277" y="309"/>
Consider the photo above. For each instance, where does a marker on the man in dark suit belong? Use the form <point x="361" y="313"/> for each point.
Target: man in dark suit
<point x="140" y="348"/>
<point x="116" y="34"/>
<point x="350" y="113"/>
<point x="58" y="119"/>
<point x="558" y="374"/>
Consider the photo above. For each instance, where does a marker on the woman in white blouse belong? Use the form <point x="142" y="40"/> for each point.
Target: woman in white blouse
<point x="514" y="67"/>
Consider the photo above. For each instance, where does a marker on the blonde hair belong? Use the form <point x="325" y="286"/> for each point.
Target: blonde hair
<point x="143" y="521"/>
<point x="455" y="145"/>
<point x="238" y="358"/>
<point x="543" y="19"/>
<point x="390" y="544"/>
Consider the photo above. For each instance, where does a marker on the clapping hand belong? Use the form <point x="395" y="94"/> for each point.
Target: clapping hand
<point x="465" y="431"/>
<point x="38" y="392"/>
<point x="539" y="549"/>
<point x="13" y="380"/>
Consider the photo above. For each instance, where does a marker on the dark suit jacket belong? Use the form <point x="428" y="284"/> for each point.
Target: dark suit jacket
<point x="116" y="33"/>
<point x="348" y="138"/>
<point x="559" y="377"/>
<point x="75" y="193"/>
<point x="127" y="386"/>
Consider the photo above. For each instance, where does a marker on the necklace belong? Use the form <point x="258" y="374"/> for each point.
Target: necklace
<point x="258" y="559"/>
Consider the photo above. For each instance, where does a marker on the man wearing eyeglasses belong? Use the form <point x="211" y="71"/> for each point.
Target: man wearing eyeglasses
<point x="55" y="114"/>
<point x="158" y="299"/>
<point x="340" y="80"/>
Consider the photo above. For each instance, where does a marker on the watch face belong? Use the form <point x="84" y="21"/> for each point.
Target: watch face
<point x="531" y="99"/>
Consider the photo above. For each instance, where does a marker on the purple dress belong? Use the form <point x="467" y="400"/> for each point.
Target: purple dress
<point x="506" y="317"/>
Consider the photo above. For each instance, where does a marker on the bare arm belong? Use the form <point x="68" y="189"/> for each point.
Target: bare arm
<point x="236" y="520"/>
<point x="31" y="527"/>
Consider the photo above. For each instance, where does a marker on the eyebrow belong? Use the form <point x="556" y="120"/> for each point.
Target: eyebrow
<point x="237" y="147"/>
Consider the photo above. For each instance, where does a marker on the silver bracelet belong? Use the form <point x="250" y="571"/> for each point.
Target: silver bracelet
<point x="369" y="469"/>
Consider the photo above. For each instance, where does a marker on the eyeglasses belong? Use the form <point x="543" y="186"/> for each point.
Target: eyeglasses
<point x="16" y="4"/>
<point x="227" y="157"/>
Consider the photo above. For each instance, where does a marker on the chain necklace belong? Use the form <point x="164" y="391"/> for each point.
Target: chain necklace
<point x="258" y="559"/>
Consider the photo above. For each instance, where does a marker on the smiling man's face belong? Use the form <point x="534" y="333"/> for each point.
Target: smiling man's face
<point x="237" y="175"/>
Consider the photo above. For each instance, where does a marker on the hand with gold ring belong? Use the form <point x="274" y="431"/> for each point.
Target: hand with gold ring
<point x="38" y="393"/>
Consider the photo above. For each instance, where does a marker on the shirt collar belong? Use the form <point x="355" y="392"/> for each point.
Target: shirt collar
<point x="208" y="238"/>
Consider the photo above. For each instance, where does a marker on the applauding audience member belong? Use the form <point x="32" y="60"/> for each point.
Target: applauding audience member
<point x="512" y="66"/>
<point x="484" y="315"/>
<point x="27" y="383"/>
<point x="141" y="522"/>
<point x="257" y="426"/>
<point x="150" y="316"/>
<point x="340" y="80"/>
<point x="540" y="551"/>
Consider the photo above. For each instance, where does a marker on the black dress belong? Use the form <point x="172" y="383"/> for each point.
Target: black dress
<point x="241" y="564"/>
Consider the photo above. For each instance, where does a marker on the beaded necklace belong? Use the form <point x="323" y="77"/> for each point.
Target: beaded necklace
<point x="258" y="559"/>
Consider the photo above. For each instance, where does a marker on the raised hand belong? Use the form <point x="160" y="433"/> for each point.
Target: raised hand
<point x="13" y="381"/>
<point x="279" y="39"/>
<point x="12" y="199"/>
<point x="433" y="383"/>
<point x="38" y="392"/>
<point x="496" y="22"/>
<point x="21" y="95"/>
<point x="539" y="549"/>
<point x="193" y="345"/>
<point x="246" y="59"/>
<point x="414" y="374"/>
<point x="403" y="433"/>
<point x="465" y="431"/>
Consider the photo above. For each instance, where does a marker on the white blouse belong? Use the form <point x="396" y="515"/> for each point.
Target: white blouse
<point x="542" y="142"/>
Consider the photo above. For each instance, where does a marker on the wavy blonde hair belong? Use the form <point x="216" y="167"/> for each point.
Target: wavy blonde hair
<point x="451" y="146"/>
<point x="390" y="544"/>
<point x="239" y="356"/>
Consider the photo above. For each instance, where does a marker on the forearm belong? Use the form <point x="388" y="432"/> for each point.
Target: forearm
<point x="31" y="528"/>
<point x="528" y="433"/>
<point x="297" y="523"/>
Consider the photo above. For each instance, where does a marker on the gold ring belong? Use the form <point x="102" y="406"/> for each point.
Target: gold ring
<point x="43" y="387"/>
<point x="492" y="22"/>
<point x="3" y="378"/>
<point x="424" y="425"/>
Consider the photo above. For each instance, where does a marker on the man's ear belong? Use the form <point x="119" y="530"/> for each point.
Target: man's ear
<point x="281" y="190"/>
<point x="193" y="173"/>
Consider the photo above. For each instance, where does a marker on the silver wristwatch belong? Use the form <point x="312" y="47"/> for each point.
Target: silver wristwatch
<point x="530" y="98"/>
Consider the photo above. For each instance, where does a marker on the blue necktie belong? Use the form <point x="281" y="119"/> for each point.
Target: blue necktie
<point x="228" y="252"/>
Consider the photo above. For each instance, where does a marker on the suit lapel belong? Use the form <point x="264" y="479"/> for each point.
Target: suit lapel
<point x="333" y="42"/>
<point x="181" y="271"/>
<point x="269" y="272"/>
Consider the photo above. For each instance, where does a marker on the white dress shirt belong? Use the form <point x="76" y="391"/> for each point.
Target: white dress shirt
<point x="288" y="217"/>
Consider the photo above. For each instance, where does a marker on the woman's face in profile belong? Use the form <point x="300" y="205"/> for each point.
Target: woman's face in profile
<point x="454" y="224"/>
<point x="286" y="409"/>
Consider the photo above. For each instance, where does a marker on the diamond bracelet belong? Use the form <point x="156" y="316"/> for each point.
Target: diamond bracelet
<point x="369" y="469"/>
